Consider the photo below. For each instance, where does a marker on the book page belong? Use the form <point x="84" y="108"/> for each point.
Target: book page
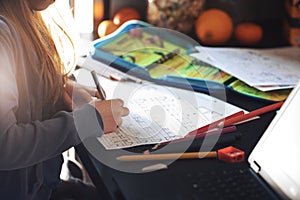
<point x="158" y="113"/>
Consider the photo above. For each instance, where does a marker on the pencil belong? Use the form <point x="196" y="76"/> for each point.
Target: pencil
<point x="250" y="114"/>
<point x="168" y="156"/>
<point x="99" y="88"/>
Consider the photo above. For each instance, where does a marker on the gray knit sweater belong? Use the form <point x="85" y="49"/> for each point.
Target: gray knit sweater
<point x="33" y="136"/>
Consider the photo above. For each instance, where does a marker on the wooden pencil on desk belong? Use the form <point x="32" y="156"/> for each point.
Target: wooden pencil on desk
<point x="168" y="156"/>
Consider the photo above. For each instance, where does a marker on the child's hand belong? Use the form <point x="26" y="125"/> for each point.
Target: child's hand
<point x="76" y="95"/>
<point x="111" y="112"/>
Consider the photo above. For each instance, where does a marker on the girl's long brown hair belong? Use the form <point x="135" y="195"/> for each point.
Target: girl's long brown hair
<point x="37" y="39"/>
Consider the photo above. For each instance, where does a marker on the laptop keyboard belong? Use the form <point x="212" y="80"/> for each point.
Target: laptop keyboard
<point x="226" y="184"/>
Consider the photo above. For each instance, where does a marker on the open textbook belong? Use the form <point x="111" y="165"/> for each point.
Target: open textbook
<point x="157" y="113"/>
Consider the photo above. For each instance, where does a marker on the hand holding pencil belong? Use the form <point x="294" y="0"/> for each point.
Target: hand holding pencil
<point x="111" y="111"/>
<point x="98" y="86"/>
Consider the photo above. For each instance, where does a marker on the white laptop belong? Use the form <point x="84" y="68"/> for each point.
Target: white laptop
<point x="276" y="157"/>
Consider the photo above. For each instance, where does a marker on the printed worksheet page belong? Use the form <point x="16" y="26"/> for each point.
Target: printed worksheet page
<point x="157" y="113"/>
<point x="265" y="69"/>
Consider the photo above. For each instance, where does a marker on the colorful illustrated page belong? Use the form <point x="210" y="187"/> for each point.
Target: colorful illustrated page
<point x="160" y="57"/>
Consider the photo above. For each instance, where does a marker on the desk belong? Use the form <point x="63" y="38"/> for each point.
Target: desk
<point x="114" y="184"/>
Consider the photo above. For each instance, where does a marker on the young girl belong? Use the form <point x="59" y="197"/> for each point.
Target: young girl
<point x="36" y="123"/>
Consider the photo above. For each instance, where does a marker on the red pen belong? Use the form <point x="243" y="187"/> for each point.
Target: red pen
<point x="251" y="114"/>
<point x="215" y="124"/>
<point x="225" y="130"/>
<point x="217" y="131"/>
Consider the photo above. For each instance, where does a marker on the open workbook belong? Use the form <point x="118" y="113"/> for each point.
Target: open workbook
<point x="166" y="57"/>
<point x="157" y="113"/>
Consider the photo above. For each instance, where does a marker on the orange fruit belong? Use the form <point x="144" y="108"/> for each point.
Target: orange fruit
<point x="125" y="14"/>
<point x="98" y="10"/>
<point x="248" y="33"/>
<point x="214" y="27"/>
<point x="106" y="27"/>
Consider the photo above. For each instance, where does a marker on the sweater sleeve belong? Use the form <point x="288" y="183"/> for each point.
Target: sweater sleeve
<point x="23" y="144"/>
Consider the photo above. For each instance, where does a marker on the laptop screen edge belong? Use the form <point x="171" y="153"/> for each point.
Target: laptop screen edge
<point x="258" y="164"/>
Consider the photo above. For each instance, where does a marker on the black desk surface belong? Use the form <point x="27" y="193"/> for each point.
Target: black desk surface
<point x="116" y="184"/>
